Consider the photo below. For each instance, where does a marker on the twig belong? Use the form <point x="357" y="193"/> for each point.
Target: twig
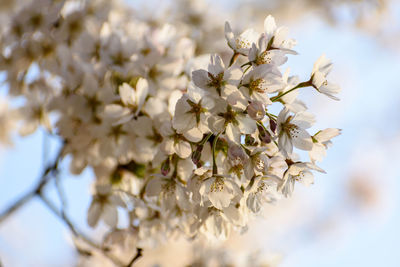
<point x="44" y="178"/>
<point x="48" y="173"/>
<point x="137" y="256"/>
<point x="64" y="218"/>
<point x="17" y="204"/>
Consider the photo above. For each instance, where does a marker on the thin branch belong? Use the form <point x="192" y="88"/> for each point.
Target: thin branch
<point x="64" y="218"/>
<point x="44" y="178"/>
<point x="51" y="172"/>
<point x="137" y="256"/>
<point x="17" y="204"/>
<point x="300" y="85"/>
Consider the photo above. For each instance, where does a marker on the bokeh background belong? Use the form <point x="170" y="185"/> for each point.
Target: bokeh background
<point x="349" y="217"/>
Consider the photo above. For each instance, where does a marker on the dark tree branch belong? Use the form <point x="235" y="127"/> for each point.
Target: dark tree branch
<point x="64" y="218"/>
<point x="44" y="178"/>
<point x="48" y="173"/>
<point x="137" y="256"/>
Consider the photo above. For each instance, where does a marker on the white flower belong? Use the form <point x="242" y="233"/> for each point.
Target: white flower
<point x="219" y="190"/>
<point x="262" y="190"/>
<point x="104" y="206"/>
<point x="240" y="43"/>
<point x="233" y="120"/>
<point x="321" y="69"/>
<point x="148" y="138"/>
<point x="260" y="81"/>
<point x="192" y="111"/>
<point x="237" y="163"/>
<point x="292" y="131"/>
<point x="132" y="100"/>
<point x="219" y="82"/>
<point x="300" y="172"/>
<point x="35" y="112"/>
<point x="170" y="192"/>
<point x="321" y="141"/>
<point x="134" y="97"/>
<point x="276" y="37"/>
<point x="259" y="160"/>
<point x="175" y="143"/>
<point x="259" y="54"/>
<point x="216" y="225"/>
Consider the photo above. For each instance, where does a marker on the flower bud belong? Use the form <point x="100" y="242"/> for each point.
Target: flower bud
<point x="264" y="136"/>
<point x="196" y="155"/>
<point x="165" y="167"/>
<point x="249" y="140"/>
<point x="272" y="125"/>
<point x="256" y="110"/>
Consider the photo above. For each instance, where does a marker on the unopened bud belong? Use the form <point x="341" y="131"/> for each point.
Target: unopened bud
<point x="264" y="136"/>
<point x="256" y="110"/>
<point x="249" y="140"/>
<point x="196" y="155"/>
<point x="165" y="167"/>
<point x="272" y="125"/>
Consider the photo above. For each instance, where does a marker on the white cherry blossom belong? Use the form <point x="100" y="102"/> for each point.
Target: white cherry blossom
<point x="321" y="69"/>
<point x="218" y="81"/>
<point x="292" y="131"/>
<point x="219" y="190"/>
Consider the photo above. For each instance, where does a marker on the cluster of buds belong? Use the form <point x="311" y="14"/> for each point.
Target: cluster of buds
<point x="184" y="144"/>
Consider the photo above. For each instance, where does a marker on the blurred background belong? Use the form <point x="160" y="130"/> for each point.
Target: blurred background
<point x="349" y="217"/>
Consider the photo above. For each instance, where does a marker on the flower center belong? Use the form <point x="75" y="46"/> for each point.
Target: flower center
<point x="257" y="86"/>
<point x="216" y="81"/>
<point x="264" y="58"/>
<point x="217" y="185"/>
<point x="242" y="43"/>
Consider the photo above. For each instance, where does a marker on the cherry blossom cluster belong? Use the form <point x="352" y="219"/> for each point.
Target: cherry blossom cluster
<point x="184" y="143"/>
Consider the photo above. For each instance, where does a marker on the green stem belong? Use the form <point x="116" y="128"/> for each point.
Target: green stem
<point x="245" y="64"/>
<point x="215" y="169"/>
<point x="271" y="116"/>
<point x="205" y="139"/>
<point x="246" y="69"/>
<point x="300" y="85"/>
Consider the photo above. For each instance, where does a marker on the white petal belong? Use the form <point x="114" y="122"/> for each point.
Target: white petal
<point x="154" y="186"/>
<point x="193" y="135"/>
<point x="318" y="152"/>
<point x="233" y="75"/>
<point x="142" y="126"/>
<point x="216" y="65"/>
<point x="168" y="146"/>
<point x="302" y="140"/>
<point x="183" y="149"/>
<point x="200" y="78"/>
<point x="327" y="134"/>
<point x="142" y="89"/>
<point x="246" y="124"/>
<point x="154" y="106"/>
<point x="127" y="94"/>
<point x="286" y="144"/>
<point x="229" y="36"/>
<point x="94" y="213"/>
<point x="304" y="120"/>
<point x="110" y="215"/>
<point x="269" y="26"/>
<point x="233" y="133"/>
<point x="220" y="199"/>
